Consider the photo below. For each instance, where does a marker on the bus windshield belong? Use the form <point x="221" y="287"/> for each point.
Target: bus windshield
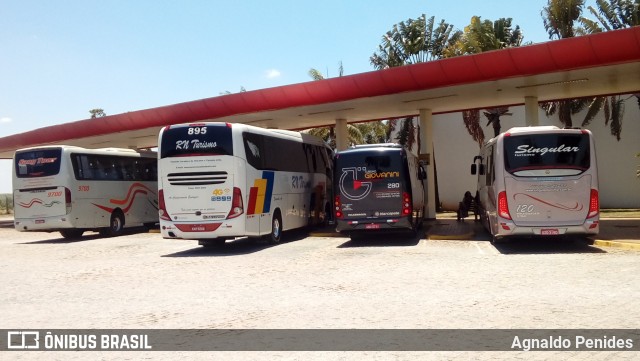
<point x="38" y="163"/>
<point x="189" y="140"/>
<point x="546" y="151"/>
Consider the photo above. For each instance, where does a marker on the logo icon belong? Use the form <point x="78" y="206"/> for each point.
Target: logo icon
<point x="363" y="188"/>
<point x="22" y="340"/>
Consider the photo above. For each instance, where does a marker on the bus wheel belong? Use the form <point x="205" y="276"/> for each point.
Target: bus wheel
<point x="71" y="233"/>
<point x="276" y="228"/>
<point x="116" y="225"/>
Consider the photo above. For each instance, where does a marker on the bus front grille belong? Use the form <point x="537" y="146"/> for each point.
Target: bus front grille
<point x="196" y="178"/>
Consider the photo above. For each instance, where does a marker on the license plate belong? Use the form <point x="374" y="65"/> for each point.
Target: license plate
<point x="549" y="231"/>
<point x="372" y="226"/>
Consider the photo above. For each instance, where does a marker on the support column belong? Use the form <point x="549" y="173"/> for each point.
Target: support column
<point x="531" y="111"/>
<point x="342" y="134"/>
<point x="426" y="147"/>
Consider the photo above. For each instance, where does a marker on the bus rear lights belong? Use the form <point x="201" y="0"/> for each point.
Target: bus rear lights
<point x="338" y="206"/>
<point x="406" y="205"/>
<point x="67" y="199"/>
<point x="392" y="221"/>
<point x="594" y="204"/>
<point x="503" y="206"/>
<point x="237" y="207"/>
<point x="594" y="224"/>
<point x="353" y="223"/>
<point x="162" y="208"/>
<point x="505" y="226"/>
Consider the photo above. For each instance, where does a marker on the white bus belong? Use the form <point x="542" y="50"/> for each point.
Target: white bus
<point x="538" y="181"/>
<point x="219" y="181"/>
<point x="72" y="190"/>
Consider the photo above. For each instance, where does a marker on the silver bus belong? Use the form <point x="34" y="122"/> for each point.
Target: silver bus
<point x="538" y="181"/>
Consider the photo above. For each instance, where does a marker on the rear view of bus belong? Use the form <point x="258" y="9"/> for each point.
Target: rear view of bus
<point x="41" y="196"/>
<point x="197" y="172"/>
<point x="377" y="188"/>
<point x="546" y="183"/>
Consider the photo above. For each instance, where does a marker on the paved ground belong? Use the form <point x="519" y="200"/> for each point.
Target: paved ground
<point x="143" y="281"/>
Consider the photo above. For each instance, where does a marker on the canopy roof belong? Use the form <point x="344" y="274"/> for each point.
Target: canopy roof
<point x="598" y="64"/>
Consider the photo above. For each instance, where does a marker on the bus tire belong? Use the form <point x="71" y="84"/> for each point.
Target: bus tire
<point x="71" y="233"/>
<point x="116" y="225"/>
<point x="276" y="228"/>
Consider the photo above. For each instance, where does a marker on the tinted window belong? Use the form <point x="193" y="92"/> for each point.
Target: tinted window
<point x="271" y="153"/>
<point x="38" y="163"/>
<point x="543" y="151"/>
<point x="118" y="168"/>
<point x="201" y="139"/>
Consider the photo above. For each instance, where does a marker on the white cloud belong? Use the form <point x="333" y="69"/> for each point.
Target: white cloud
<point x="273" y="73"/>
<point x="5" y="120"/>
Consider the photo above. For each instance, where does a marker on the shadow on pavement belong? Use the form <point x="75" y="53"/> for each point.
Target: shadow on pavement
<point x="384" y="240"/>
<point x="547" y="246"/>
<point x="237" y="247"/>
<point x="87" y="236"/>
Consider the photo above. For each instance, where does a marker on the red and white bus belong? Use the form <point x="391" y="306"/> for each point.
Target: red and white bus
<point x="72" y="190"/>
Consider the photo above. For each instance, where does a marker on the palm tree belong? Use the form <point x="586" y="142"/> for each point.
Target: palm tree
<point x="480" y="36"/>
<point x="494" y="115"/>
<point x="613" y="15"/>
<point x="414" y="41"/>
<point x="561" y="19"/>
<point x="358" y="133"/>
<point x="410" y="42"/>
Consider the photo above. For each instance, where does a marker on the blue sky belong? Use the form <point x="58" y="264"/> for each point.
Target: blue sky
<point x="62" y="58"/>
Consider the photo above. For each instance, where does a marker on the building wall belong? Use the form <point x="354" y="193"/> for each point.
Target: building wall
<point x="617" y="163"/>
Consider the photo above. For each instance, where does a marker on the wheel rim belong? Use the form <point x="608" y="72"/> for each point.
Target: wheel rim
<point x="116" y="224"/>
<point x="276" y="228"/>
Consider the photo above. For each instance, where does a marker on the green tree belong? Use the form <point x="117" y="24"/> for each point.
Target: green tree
<point x="410" y="42"/>
<point x="560" y="18"/>
<point x="613" y="15"/>
<point x="480" y="36"/>
<point x="563" y="19"/>
<point x="97" y="113"/>
<point x="414" y="41"/>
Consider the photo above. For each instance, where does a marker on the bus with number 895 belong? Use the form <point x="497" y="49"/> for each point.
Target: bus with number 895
<point x="219" y="181"/>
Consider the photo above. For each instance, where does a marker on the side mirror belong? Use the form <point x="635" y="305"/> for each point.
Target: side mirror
<point x="473" y="169"/>
<point x="481" y="169"/>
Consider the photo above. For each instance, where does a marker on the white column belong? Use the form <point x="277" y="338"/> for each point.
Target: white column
<point x="342" y="134"/>
<point x="531" y="111"/>
<point x="426" y="147"/>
